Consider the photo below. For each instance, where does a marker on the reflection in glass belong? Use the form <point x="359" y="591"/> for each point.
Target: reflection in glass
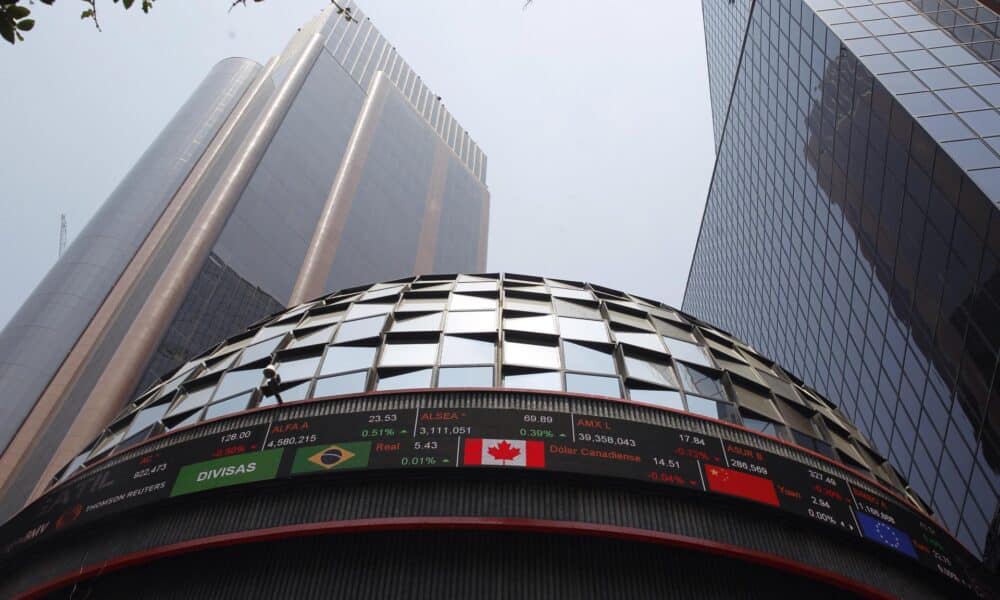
<point x="266" y="333"/>
<point x="466" y="302"/>
<point x="706" y="407"/>
<point x="525" y="304"/>
<point x="323" y="319"/>
<point x="687" y="351"/>
<point x="430" y="322"/>
<point x="533" y="355"/>
<point x="464" y="351"/>
<point x="402" y="381"/>
<point x="360" y="329"/>
<point x="476" y="286"/>
<point x="582" y="358"/>
<point x="238" y="381"/>
<point x="358" y="310"/>
<point x="408" y="354"/>
<point x="303" y="368"/>
<point x="308" y="338"/>
<point x="533" y="381"/>
<point x="665" y="398"/>
<point x="259" y="351"/>
<point x="568" y="293"/>
<point x="465" y="377"/>
<point x="700" y="382"/>
<point x="194" y="399"/>
<point x="540" y="324"/>
<point x="347" y="358"/>
<point x="583" y="329"/>
<point x="292" y="393"/>
<point x="145" y="418"/>
<point x="593" y="384"/>
<point x="232" y="405"/>
<point x="568" y="308"/>
<point x="340" y="384"/>
<point x="468" y="322"/>
<point x="650" y="371"/>
<point x="650" y="341"/>
<point x="422" y="304"/>
<point x="760" y="425"/>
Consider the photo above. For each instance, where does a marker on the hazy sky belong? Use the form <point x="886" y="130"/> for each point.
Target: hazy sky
<point x="594" y="116"/>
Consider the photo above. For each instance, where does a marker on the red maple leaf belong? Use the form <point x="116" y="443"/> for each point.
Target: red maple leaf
<point x="504" y="451"/>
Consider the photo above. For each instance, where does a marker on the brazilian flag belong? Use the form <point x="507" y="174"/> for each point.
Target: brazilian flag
<point x="327" y="457"/>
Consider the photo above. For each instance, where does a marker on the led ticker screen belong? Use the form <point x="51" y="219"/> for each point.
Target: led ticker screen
<point x="472" y="438"/>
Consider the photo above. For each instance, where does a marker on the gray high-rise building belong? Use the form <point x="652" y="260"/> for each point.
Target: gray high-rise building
<point x="332" y="165"/>
<point x="852" y="228"/>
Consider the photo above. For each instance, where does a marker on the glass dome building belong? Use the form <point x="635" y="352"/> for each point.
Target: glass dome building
<point x="531" y="416"/>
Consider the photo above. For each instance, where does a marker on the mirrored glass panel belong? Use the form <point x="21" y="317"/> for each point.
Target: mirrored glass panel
<point x="358" y="310"/>
<point x="532" y="355"/>
<point x="291" y="393"/>
<point x="360" y="329"/>
<point x="401" y="355"/>
<point x="145" y="418"/>
<point x="567" y="308"/>
<point x="347" y="358"/>
<point x="650" y="341"/>
<point x="423" y="304"/>
<point x="707" y="408"/>
<point x="540" y="324"/>
<point x="583" y="358"/>
<point x="582" y="329"/>
<point x="193" y="399"/>
<point x="430" y="322"/>
<point x="593" y="384"/>
<point x="703" y="383"/>
<point x="238" y="381"/>
<point x="476" y="286"/>
<point x="687" y="351"/>
<point x="403" y="381"/>
<point x="303" y="368"/>
<point x="465" y="351"/>
<point x="226" y="407"/>
<point x="350" y="383"/>
<point x="471" y="321"/>
<point x="465" y="377"/>
<point x="533" y="381"/>
<point x="467" y="302"/>
<point x="525" y="304"/>
<point x="570" y="293"/>
<point x="309" y="338"/>
<point x="664" y="398"/>
<point x="649" y="370"/>
<point x="260" y="351"/>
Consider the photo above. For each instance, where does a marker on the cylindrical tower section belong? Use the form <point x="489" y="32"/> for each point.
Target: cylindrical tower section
<point x="40" y="336"/>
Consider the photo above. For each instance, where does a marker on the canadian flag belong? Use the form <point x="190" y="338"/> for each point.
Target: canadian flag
<point x="505" y="453"/>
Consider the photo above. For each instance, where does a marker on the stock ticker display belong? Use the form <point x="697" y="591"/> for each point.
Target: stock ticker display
<point x="473" y="438"/>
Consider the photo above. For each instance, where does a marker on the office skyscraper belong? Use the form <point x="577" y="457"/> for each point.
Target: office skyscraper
<point x="329" y="166"/>
<point x="852" y="231"/>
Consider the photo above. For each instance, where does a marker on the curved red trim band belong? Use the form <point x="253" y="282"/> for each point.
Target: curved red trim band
<point x="460" y="523"/>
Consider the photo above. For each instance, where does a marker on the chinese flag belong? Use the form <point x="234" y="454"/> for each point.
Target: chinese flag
<point x="736" y="483"/>
<point x="504" y="453"/>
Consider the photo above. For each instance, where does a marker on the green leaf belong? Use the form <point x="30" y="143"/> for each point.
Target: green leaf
<point x="87" y="14"/>
<point x="18" y="12"/>
<point x="7" y="30"/>
<point x="127" y="4"/>
<point x="26" y="24"/>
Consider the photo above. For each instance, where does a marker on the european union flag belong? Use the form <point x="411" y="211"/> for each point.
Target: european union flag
<point x="876" y="529"/>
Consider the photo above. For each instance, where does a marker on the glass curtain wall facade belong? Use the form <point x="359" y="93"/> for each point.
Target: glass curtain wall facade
<point x="331" y="165"/>
<point x="851" y="229"/>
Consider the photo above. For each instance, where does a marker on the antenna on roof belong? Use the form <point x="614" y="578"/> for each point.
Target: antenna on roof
<point x="62" y="233"/>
